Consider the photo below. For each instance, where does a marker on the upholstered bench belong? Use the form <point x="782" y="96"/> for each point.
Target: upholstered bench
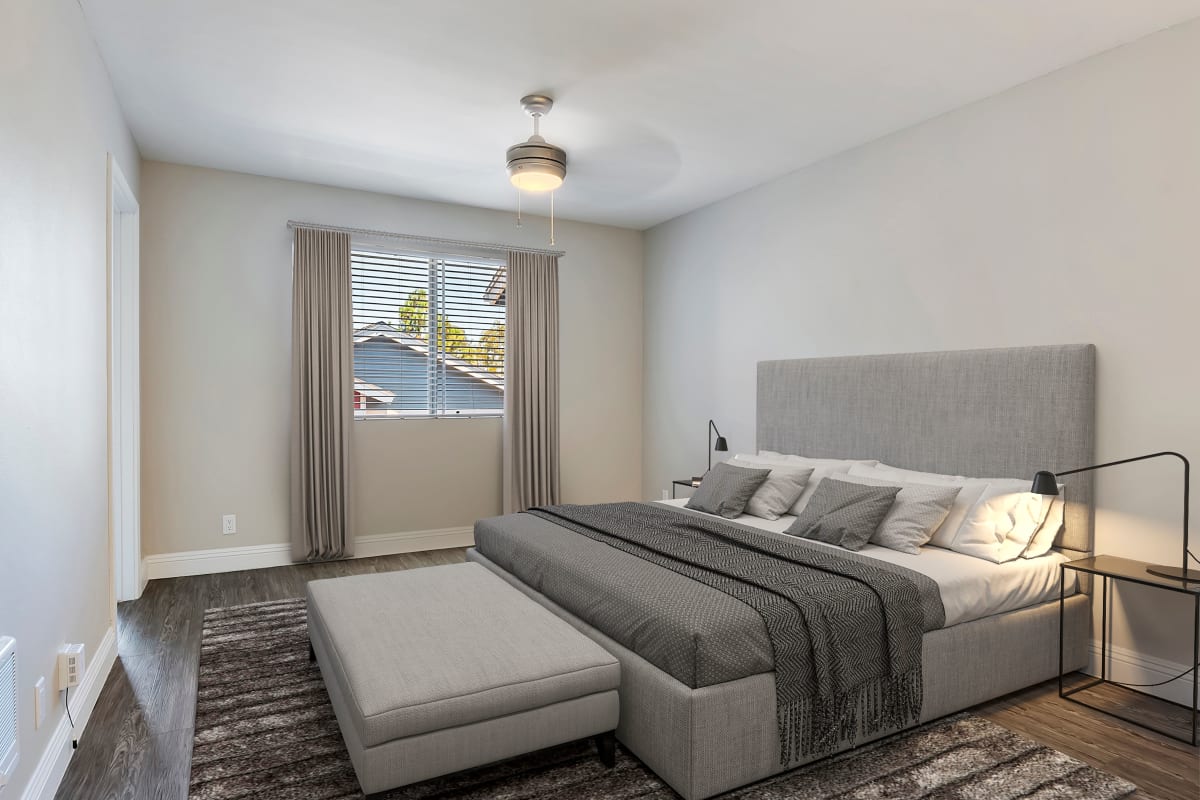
<point x="431" y="671"/>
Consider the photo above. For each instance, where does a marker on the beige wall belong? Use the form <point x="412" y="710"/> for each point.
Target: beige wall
<point x="58" y="122"/>
<point x="425" y="474"/>
<point x="1064" y="210"/>
<point x="216" y="306"/>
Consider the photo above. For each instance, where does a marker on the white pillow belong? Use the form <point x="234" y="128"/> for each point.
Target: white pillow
<point x="761" y="456"/>
<point x="771" y="455"/>
<point x="1002" y="524"/>
<point x="968" y="496"/>
<point x="768" y="461"/>
<point x="1043" y="539"/>
<point x="917" y="511"/>
<point x="1022" y="486"/>
<point x="779" y="491"/>
<point x="913" y="476"/>
<point x="966" y="500"/>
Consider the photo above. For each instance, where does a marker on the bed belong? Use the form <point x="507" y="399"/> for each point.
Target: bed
<point x="706" y="722"/>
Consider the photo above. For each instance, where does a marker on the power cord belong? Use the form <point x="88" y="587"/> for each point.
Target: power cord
<point x="1187" y="671"/>
<point x="1160" y="683"/>
<point x="67" y="703"/>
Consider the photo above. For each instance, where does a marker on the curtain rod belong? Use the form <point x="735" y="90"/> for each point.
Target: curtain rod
<point x="428" y="240"/>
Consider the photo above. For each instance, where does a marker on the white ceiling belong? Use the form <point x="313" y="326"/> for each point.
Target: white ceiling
<point x="663" y="105"/>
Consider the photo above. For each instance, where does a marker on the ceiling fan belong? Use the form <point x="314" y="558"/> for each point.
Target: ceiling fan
<point x="535" y="165"/>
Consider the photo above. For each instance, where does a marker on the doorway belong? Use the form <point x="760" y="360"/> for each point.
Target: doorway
<point x="124" y="387"/>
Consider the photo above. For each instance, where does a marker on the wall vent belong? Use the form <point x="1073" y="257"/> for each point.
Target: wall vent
<point x="8" y="709"/>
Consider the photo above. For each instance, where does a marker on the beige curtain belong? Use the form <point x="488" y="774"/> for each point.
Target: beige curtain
<point x="531" y="382"/>
<point x="322" y="396"/>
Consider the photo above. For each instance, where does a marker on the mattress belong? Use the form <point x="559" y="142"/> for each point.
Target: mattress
<point x="971" y="587"/>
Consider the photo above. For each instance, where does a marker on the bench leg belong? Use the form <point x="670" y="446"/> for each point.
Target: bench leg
<point x="606" y="745"/>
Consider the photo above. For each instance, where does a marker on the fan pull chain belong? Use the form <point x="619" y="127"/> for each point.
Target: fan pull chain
<point x="552" y="218"/>
<point x="518" y="208"/>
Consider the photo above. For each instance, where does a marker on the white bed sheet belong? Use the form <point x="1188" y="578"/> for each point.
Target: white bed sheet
<point x="971" y="587"/>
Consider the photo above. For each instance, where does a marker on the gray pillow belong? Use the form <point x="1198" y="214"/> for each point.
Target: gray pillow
<point x="918" y="511"/>
<point x="726" y="489"/>
<point x="845" y="514"/>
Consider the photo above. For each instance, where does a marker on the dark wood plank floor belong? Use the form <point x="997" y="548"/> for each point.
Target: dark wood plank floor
<point x="138" y="743"/>
<point x="1163" y="768"/>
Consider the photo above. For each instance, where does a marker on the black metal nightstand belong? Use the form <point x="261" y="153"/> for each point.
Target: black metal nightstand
<point x="1123" y="569"/>
<point x="691" y="483"/>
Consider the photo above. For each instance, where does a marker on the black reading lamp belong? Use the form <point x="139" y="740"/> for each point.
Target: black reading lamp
<point x="721" y="445"/>
<point x="1045" y="482"/>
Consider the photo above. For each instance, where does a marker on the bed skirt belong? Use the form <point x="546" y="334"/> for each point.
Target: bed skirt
<point x="709" y="740"/>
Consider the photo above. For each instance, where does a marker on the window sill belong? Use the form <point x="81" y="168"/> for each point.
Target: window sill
<point x="411" y="417"/>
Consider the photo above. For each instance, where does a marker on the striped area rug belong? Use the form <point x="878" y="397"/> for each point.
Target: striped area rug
<point x="265" y="730"/>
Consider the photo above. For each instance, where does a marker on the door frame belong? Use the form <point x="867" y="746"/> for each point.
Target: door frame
<point x="124" y="381"/>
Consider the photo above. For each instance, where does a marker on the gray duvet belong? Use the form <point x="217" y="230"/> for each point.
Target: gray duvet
<point x="697" y="634"/>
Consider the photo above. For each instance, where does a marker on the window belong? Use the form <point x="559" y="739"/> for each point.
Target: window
<point x="428" y="335"/>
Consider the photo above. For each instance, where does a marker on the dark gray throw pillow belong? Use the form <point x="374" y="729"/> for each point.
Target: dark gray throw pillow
<point x="726" y="489"/>
<point x="845" y="514"/>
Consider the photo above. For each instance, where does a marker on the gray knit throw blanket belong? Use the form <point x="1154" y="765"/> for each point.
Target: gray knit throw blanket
<point x="846" y="635"/>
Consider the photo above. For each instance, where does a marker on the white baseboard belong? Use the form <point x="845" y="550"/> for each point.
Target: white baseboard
<point x="1129" y="666"/>
<point x="388" y="544"/>
<point x="51" y="767"/>
<point x="221" y="559"/>
<point x="261" y="556"/>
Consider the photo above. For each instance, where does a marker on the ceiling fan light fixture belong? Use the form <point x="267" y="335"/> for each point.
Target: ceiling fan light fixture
<point x="535" y="174"/>
<point x="535" y="165"/>
<point x="533" y="180"/>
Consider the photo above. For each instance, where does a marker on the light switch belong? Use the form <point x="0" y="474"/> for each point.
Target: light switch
<point x="40" y="707"/>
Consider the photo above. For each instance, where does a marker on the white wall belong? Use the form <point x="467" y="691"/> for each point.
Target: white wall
<point x="1064" y="210"/>
<point x="58" y="122"/>
<point x="216" y="349"/>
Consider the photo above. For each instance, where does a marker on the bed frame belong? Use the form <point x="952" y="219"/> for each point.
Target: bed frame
<point x="1006" y="412"/>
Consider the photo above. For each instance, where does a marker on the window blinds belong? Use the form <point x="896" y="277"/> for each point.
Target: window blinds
<point x="428" y="335"/>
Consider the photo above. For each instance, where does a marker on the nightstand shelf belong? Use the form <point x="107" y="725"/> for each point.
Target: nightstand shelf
<point x="1111" y="568"/>
<point x="690" y="483"/>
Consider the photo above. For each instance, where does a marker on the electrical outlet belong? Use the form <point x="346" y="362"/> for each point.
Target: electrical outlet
<point x="229" y="524"/>
<point x="40" y="706"/>
<point x="71" y="658"/>
<point x="666" y="495"/>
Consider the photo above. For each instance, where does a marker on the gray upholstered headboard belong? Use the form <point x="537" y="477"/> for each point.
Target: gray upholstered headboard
<point x="988" y="413"/>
